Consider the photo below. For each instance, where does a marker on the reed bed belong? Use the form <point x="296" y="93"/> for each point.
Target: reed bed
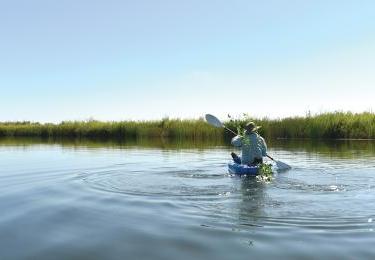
<point x="166" y="128"/>
<point x="336" y="125"/>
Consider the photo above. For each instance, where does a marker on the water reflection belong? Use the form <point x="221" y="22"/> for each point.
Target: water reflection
<point x="160" y="143"/>
<point x="330" y="148"/>
<point x="113" y="197"/>
<point x="253" y="199"/>
<point x="346" y="149"/>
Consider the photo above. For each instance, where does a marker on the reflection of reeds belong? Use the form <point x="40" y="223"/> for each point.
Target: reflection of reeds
<point x="327" y="125"/>
<point x="327" y="148"/>
<point x="159" y="143"/>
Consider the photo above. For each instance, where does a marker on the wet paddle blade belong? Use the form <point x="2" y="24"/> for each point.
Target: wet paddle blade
<point x="282" y="166"/>
<point x="212" y="120"/>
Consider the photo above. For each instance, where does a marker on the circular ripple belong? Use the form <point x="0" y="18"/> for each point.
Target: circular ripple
<point x="159" y="182"/>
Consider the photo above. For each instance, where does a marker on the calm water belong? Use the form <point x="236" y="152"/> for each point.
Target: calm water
<point x="87" y="200"/>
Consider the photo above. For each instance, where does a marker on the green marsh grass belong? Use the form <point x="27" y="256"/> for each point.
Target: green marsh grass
<point x="166" y="128"/>
<point x="336" y="125"/>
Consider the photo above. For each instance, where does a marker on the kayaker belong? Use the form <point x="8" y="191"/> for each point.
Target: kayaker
<point x="252" y="144"/>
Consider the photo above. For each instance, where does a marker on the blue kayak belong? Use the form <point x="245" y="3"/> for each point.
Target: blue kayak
<point x="240" y="169"/>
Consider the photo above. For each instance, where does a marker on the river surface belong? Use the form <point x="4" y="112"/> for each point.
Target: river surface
<point x="161" y="200"/>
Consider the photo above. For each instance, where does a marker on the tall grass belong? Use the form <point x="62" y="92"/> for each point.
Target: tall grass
<point x="334" y="125"/>
<point x="166" y="128"/>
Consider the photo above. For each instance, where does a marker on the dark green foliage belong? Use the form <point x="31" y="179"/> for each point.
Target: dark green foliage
<point x="265" y="172"/>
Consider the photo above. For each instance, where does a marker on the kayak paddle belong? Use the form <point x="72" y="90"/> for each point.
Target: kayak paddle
<point x="214" y="121"/>
<point x="280" y="165"/>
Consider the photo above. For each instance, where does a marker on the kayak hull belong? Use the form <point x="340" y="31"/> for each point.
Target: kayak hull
<point x="240" y="169"/>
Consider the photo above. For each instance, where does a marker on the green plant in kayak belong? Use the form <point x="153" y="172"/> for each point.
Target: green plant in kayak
<point x="265" y="172"/>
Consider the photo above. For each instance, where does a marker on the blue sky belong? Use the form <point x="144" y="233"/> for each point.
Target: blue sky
<point x="115" y="60"/>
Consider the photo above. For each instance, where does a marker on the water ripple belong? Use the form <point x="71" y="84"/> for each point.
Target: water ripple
<point x="162" y="182"/>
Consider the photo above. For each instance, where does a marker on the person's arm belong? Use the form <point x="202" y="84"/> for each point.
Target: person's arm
<point x="236" y="141"/>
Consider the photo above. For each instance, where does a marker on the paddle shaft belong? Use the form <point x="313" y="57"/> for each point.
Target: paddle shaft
<point x="229" y="130"/>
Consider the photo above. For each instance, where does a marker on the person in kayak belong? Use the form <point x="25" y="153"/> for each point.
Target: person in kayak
<point x="252" y="144"/>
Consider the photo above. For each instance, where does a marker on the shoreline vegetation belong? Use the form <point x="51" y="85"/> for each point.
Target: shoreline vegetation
<point x="334" y="125"/>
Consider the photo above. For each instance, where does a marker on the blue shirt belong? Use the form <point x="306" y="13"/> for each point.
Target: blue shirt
<point x="253" y="146"/>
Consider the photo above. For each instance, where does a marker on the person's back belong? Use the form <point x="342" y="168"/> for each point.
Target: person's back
<point x="252" y="145"/>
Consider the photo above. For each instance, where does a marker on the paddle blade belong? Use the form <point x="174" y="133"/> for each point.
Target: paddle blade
<point x="212" y="120"/>
<point x="282" y="166"/>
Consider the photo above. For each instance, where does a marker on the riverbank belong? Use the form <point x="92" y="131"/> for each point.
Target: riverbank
<point x="337" y="125"/>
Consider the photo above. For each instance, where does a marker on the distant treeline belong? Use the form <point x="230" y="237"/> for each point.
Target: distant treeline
<point x="323" y="126"/>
